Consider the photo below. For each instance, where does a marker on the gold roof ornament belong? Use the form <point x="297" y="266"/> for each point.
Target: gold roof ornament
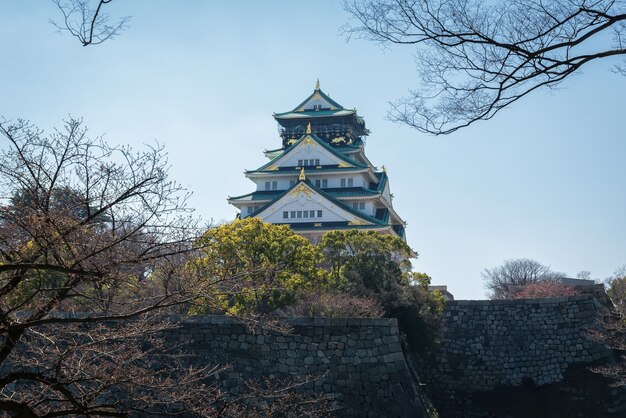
<point x="302" y="176"/>
<point x="308" y="129"/>
<point x="317" y="84"/>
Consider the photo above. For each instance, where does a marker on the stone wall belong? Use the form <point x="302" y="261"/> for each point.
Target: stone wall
<point x="498" y="357"/>
<point x="361" y="359"/>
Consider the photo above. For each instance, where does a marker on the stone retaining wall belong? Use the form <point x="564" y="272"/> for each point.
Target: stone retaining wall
<point x="361" y="359"/>
<point x="493" y="349"/>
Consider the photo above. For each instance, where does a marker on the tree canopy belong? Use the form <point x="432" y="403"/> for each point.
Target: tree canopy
<point x="366" y="260"/>
<point x="269" y="262"/>
<point x="372" y="265"/>
<point x="349" y="272"/>
<point x="518" y="272"/>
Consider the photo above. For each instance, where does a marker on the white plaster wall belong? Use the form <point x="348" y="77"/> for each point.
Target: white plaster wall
<point x="282" y="183"/>
<point x="369" y="207"/>
<point x="301" y="202"/>
<point x="308" y="152"/>
<point x="334" y="180"/>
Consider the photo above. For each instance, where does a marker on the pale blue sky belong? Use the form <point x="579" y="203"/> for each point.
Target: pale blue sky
<point x="545" y="179"/>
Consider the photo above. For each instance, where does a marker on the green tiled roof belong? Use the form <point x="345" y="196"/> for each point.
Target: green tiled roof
<point x="314" y="113"/>
<point x="325" y="97"/>
<point x="306" y="109"/>
<point x="334" y="192"/>
<point x="350" y="192"/>
<point x="273" y="153"/>
<point x="382" y="181"/>
<point x="329" y="226"/>
<point x="345" y="148"/>
<point x="327" y="196"/>
<point x="308" y="170"/>
<point x="342" y="148"/>
<point x="258" y="195"/>
<point x="319" y="141"/>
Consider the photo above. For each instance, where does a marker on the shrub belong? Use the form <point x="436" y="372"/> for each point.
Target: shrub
<point x="335" y="304"/>
<point x="544" y="289"/>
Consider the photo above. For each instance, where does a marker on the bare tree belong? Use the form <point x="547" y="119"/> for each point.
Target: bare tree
<point x="610" y="328"/>
<point x="476" y="57"/>
<point x="94" y="241"/>
<point x="83" y="223"/>
<point x="90" y="25"/>
<point x="517" y="272"/>
<point x="617" y="290"/>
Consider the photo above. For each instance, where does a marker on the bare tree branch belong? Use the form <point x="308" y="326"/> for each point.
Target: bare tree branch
<point x="474" y="57"/>
<point x="88" y="24"/>
<point x="95" y="245"/>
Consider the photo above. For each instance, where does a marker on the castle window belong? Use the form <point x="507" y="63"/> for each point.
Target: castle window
<point x="293" y="214"/>
<point x="267" y="185"/>
<point x="274" y="185"/>
<point x="299" y="163"/>
<point x="311" y="214"/>
<point x="306" y="214"/>
<point x="299" y="214"/>
<point x="324" y="183"/>
<point x="362" y="205"/>
<point x="319" y="213"/>
<point x="350" y="182"/>
<point x="317" y="183"/>
<point x="343" y="182"/>
<point x="285" y="215"/>
<point x="250" y="209"/>
<point x="355" y="205"/>
<point x="311" y="162"/>
<point x="317" y="162"/>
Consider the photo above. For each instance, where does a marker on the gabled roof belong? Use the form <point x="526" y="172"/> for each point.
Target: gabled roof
<point x="317" y="104"/>
<point x="307" y="185"/>
<point x="314" y="113"/>
<point x="273" y="164"/>
<point x="318" y="101"/>
<point x="273" y="153"/>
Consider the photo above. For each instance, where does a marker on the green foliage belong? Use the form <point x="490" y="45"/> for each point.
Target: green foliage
<point x="256" y="267"/>
<point x="365" y="259"/>
<point x="369" y="264"/>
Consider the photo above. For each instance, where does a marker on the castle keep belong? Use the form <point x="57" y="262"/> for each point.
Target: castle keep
<point x="320" y="180"/>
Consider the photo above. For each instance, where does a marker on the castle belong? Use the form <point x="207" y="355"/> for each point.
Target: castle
<point x="320" y="180"/>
